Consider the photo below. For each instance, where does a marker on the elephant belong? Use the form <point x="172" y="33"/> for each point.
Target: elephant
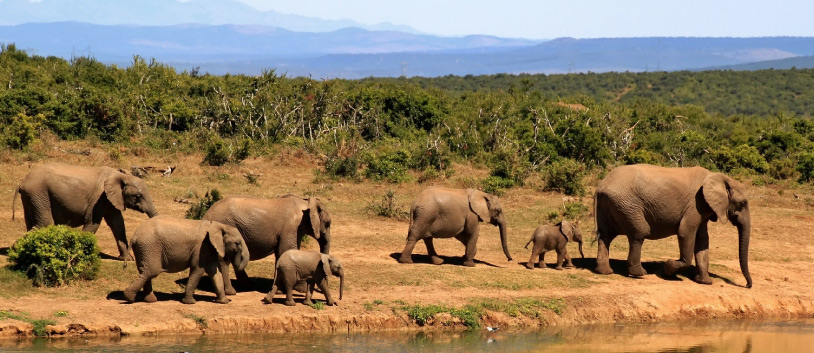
<point x="271" y="226"/>
<point x="440" y="212"/>
<point x="554" y="237"/>
<point x="168" y="244"/>
<point x="312" y="267"/>
<point x="57" y="193"/>
<point x="650" y="202"/>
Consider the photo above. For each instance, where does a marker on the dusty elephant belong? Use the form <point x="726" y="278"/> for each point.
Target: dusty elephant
<point x="168" y="244"/>
<point x="649" y="202"/>
<point x="310" y="266"/>
<point x="440" y="212"/>
<point x="554" y="237"/>
<point x="82" y="196"/>
<point x="271" y="226"/>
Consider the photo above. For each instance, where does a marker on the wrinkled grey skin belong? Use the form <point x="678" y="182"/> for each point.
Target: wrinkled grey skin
<point x="310" y="266"/>
<point x="82" y="196"/>
<point x="271" y="226"/>
<point x="440" y="212"/>
<point x="554" y="237"/>
<point x="649" y="202"/>
<point x="168" y="244"/>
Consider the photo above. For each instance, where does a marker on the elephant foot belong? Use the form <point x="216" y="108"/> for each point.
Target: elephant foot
<point x="530" y="265"/>
<point x="307" y="302"/>
<point x="406" y="260"/>
<point x="230" y="290"/>
<point x="569" y="266"/>
<point x="130" y="295"/>
<point x="603" y="269"/>
<point x="636" y="271"/>
<point x="703" y="279"/>
<point x="188" y="300"/>
<point x="436" y="260"/>
<point x="469" y="263"/>
<point x="289" y="302"/>
<point x="332" y="303"/>
<point x="268" y="299"/>
<point x="150" y="298"/>
<point x="672" y="266"/>
<point x="223" y="300"/>
<point x="558" y="268"/>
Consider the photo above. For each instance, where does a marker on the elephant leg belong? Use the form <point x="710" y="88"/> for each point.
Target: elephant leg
<point x="541" y="264"/>
<point x="289" y="294"/>
<point x="431" y="251"/>
<point x="131" y="290"/>
<point x="534" y="256"/>
<point x="603" y="253"/>
<point x="308" y="293"/>
<point x="568" y="263"/>
<point x="634" y="256"/>
<point x="149" y="295"/>
<point x="227" y="282"/>
<point x="702" y="255"/>
<point x="686" y="247"/>
<point x="471" y="244"/>
<point x="560" y="260"/>
<point x="195" y="274"/>
<point x="217" y="282"/>
<point x="323" y="285"/>
<point x="417" y="230"/>
<point x="244" y="280"/>
<point x="115" y="221"/>
<point x="269" y="299"/>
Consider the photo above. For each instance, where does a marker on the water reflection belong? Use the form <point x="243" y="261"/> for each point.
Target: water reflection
<point x="713" y="336"/>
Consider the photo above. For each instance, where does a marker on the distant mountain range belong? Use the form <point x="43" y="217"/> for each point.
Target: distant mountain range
<point x="357" y="53"/>
<point x="168" y="12"/>
<point x="799" y="62"/>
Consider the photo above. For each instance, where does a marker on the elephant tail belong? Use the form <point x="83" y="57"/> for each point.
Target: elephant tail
<point x="530" y="240"/>
<point x="596" y="222"/>
<point x="14" y="198"/>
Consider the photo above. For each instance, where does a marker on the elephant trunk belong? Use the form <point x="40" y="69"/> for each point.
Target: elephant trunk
<point x="151" y="212"/>
<point x="241" y="260"/>
<point x="503" y="239"/>
<point x="341" y="283"/>
<point x="744" y="225"/>
<point x="580" y="249"/>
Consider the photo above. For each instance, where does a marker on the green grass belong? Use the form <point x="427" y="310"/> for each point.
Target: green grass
<point x="199" y="320"/>
<point x="318" y="305"/>
<point x="39" y="324"/>
<point x="470" y="314"/>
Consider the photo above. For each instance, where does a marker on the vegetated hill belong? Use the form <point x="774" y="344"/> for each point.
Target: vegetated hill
<point x="800" y="62"/>
<point x="163" y="12"/>
<point x="199" y="44"/>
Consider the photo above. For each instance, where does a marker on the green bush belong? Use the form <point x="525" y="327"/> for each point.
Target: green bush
<point x="389" y="166"/>
<point x="565" y="175"/>
<point x="217" y="153"/>
<point x="388" y="207"/>
<point x="18" y="132"/>
<point x="198" y="210"/>
<point x="782" y="168"/>
<point x="805" y="165"/>
<point x="337" y="167"/>
<point x="496" y="185"/>
<point x="643" y="156"/>
<point x="56" y="255"/>
<point x="744" y="156"/>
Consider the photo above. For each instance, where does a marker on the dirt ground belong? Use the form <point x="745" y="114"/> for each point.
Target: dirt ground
<point x="378" y="287"/>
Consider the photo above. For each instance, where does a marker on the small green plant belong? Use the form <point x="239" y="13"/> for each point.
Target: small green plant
<point x="39" y="325"/>
<point x="378" y="302"/>
<point x="200" y="321"/>
<point x="387" y="207"/>
<point x="61" y="313"/>
<point x="198" y="210"/>
<point x="56" y="255"/>
<point x="565" y="175"/>
<point x="318" y="305"/>
<point x="421" y="314"/>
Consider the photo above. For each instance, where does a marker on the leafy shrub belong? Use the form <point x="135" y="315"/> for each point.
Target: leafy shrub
<point x="565" y="175"/>
<point x="56" y="255"/>
<point x="217" y="153"/>
<point x="18" y="132"/>
<point x="509" y="166"/>
<point x="782" y="168"/>
<point x="387" y="207"/>
<point x="337" y="167"/>
<point x="643" y="156"/>
<point x="198" y="210"/>
<point x="496" y="185"/>
<point x="389" y="166"/>
<point x="805" y="165"/>
<point x="743" y="156"/>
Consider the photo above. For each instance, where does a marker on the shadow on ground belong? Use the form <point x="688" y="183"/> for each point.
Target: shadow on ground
<point x="448" y="260"/>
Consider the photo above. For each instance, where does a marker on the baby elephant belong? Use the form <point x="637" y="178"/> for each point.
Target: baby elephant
<point x="312" y="267"/>
<point x="168" y="244"/>
<point x="555" y="238"/>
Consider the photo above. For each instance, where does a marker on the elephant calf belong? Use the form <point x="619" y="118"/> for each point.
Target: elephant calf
<point x="312" y="267"/>
<point x="167" y="244"/>
<point x="555" y="238"/>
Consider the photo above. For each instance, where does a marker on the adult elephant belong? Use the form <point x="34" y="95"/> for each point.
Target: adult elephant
<point x="271" y="226"/>
<point x="76" y="196"/>
<point x="649" y="202"/>
<point x="440" y="212"/>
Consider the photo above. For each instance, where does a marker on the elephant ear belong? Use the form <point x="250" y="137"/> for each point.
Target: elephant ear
<point x="567" y="230"/>
<point x="326" y="264"/>
<point x="114" y="189"/>
<point x="313" y="211"/>
<point x="716" y="193"/>
<point x="215" y="233"/>
<point x="478" y="204"/>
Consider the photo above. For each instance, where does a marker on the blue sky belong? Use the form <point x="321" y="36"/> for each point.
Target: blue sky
<point x="575" y="18"/>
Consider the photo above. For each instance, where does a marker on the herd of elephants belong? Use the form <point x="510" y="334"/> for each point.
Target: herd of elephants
<point x="640" y="201"/>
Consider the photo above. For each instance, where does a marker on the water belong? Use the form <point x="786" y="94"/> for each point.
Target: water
<point x="713" y="336"/>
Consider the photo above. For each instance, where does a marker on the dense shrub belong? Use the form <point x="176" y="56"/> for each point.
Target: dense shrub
<point x="337" y="167"/>
<point x="805" y="165"/>
<point x="741" y="157"/>
<point x="388" y="166"/>
<point x="219" y="153"/>
<point x="496" y="185"/>
<point x="565" y="175"/>
<point x="198" y="210"/>
<point x="643" y="156"/>
<point x="18" y="132"/>
<point x="56" y="255"/>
